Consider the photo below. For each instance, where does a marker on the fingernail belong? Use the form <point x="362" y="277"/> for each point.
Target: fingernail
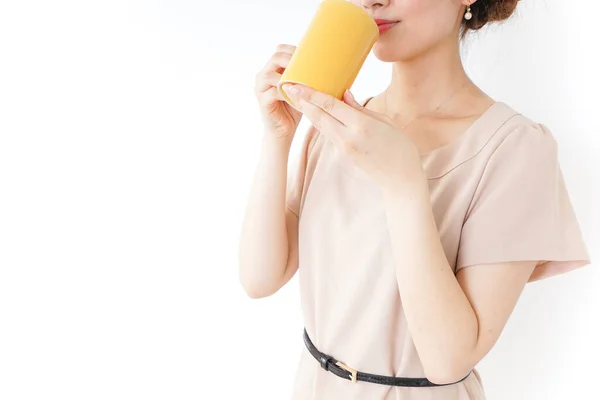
<point x="292" y="90"/>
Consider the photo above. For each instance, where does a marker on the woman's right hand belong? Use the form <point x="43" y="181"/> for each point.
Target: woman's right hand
<point x="280" y="119"/>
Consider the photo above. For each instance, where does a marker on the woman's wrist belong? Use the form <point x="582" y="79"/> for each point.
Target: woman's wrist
<point x="407" y="188"/>
<point x="272" y="143"/>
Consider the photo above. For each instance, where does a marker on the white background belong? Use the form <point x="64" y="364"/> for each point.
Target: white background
<point x="128" y="139"/>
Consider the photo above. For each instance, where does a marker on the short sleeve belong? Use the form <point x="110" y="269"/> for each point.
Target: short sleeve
<point x="300" y="172"/>
<point x="521" y="210"/>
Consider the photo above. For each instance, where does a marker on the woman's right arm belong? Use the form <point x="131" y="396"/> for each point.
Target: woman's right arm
<point x="268" y="253"/>
<point x="268" y="249"/>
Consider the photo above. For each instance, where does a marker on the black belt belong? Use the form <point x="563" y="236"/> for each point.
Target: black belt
<point x="343" y="371"/>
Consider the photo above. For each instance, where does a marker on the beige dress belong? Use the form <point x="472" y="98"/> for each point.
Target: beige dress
<point x="498" y="195"/>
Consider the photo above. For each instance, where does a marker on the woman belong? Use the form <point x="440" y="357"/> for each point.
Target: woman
<point x="416" y="218"/>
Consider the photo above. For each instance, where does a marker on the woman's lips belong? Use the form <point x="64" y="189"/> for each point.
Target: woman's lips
<point x="385" y="25"/>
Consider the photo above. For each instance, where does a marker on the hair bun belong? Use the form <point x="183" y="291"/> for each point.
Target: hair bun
<point x="486" y="11"/>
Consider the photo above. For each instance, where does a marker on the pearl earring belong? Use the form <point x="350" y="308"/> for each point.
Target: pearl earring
<point x="468" y="14"/>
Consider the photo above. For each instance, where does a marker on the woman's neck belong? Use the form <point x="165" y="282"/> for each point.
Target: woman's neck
<point x="421" y="84"/>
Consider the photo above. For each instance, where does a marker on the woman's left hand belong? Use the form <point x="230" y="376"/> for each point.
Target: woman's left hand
<point x="370" y="139"/>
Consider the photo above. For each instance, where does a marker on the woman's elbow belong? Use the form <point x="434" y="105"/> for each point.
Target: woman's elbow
<point x="254" y="289"/>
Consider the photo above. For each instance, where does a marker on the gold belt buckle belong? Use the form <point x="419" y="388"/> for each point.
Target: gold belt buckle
<point x="352" y="371"/>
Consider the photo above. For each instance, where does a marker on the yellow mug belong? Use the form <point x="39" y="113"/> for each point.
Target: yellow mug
<point x="333" y="49"/>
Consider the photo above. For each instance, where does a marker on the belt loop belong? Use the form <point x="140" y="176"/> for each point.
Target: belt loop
<point x="325" y="360"/>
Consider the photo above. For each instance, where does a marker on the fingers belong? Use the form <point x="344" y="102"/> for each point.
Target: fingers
<point x="286" y="48"/>
<point x="267" y="81"/>
<point x="351" y="101"/>
<point x="270" y="96"/>
<point x="344" y="113"/>
<point x="276" y="64"/>
<point x="281" y="58"/>
<point x="269" y="76"/>
<point x="278" y="61"/>
<point x="325" y="123"/>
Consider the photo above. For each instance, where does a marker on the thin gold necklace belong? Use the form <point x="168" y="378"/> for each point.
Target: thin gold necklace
<point x="427" y="113"/>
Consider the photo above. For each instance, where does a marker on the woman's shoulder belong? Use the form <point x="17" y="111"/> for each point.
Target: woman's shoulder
<point x="517" y="130"/>
<point x="501" y="134"/>
<point x="516" y="120"/>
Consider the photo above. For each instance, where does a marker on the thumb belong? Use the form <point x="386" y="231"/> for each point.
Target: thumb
<point x="351" y="101"/>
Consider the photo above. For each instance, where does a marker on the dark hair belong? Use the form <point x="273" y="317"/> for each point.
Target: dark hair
<point x="486" y="11"/>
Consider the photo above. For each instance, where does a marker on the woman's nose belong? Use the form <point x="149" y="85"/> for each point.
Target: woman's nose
<point x="372" y="4"/>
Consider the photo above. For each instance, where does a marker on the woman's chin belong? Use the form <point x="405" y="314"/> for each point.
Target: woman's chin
<point x="392" y="52"/>
<point x="386" y="53"/>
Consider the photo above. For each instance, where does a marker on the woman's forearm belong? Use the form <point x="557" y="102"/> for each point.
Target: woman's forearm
<point x="441" y="320"/>
<point x="263" y="250"/>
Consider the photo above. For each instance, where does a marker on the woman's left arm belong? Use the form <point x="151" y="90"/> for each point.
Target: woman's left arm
<point x="454" y="320"/>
